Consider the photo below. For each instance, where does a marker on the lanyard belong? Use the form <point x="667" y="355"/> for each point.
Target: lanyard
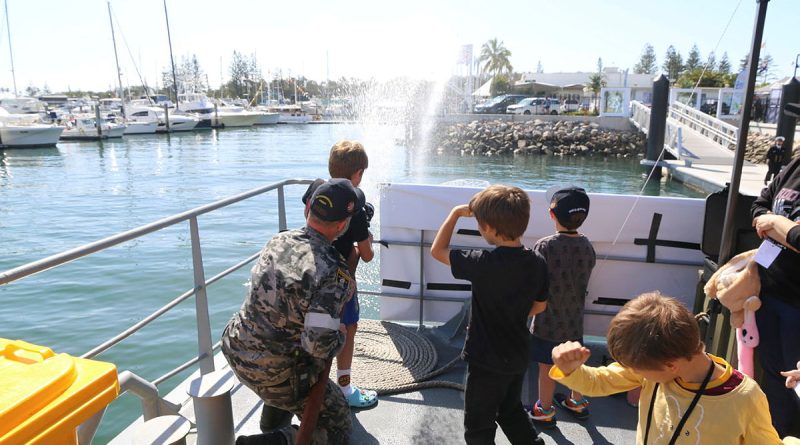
<point x="685" y="416"/>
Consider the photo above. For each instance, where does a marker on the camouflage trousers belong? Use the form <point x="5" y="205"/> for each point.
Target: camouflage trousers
<point x="334" y="423"/>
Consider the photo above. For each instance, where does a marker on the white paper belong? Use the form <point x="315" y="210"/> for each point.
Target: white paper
<point x="767" y="252"/>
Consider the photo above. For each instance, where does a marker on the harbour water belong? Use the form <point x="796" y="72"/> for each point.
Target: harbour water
<point x="60" y="198"/>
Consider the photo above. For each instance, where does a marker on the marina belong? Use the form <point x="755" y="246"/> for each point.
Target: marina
<point x="130" y="220"/>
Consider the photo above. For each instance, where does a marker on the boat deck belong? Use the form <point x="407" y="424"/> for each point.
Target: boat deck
<point x="435" y="416"/>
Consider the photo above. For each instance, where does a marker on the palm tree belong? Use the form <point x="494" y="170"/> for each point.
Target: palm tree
<point x="494" y="57"/>
<point x="596" y="83"/>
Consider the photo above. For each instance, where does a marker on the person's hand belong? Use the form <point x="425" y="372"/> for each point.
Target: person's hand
<point x="570" y="356"/>
<point x="765" y="223"/>
<point x="792" y="377"/>
<point x="462" y="211"/>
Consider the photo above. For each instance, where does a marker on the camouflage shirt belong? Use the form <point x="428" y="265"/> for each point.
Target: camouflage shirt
<point x="290" y="317"/>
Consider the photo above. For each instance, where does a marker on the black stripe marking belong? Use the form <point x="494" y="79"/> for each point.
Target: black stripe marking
<point x="448" y="286"/>
<point x="610" y="301"/>
<point x="397" y="283"/>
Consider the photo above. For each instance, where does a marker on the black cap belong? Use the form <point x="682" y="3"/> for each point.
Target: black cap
<point x="569" y="200"/>
<point x="334" y="200"/>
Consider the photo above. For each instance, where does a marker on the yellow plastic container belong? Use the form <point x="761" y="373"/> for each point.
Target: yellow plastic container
<point x="44" y="396"/>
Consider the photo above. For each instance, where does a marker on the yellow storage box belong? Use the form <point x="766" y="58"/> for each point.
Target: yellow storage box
<point x="44" y="396"/>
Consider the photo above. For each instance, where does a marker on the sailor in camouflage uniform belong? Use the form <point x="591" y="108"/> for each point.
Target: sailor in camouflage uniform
<point x="288" y="327"/>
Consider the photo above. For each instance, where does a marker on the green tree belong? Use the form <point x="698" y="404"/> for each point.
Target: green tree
<point x="495" y="57"/>
<point x="647" y="61"/>
<point x="693" y="60"/>
<point x="724" y="64"/>
<point x="501" y="84"/>
<point x="673" y="63"/>
<point x="689" y="78"/>
<point x="766" y="66"/>
<point x="711" y="61"/>
<point x="239" y="71"/>
<point x="596" y="83"/>
<point x="744" y="61"/>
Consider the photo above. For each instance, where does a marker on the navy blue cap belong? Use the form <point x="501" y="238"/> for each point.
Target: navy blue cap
<point x="569" y="200"/>
<point x="334" y="200"/>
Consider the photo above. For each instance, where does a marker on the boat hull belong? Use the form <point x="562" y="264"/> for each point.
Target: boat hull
<point x="22" y="136"/>
<point x="141" y="128"/>
<point x="265" y="118"/>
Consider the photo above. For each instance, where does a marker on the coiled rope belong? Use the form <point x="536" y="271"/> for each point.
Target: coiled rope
<point x="392" y="359"/>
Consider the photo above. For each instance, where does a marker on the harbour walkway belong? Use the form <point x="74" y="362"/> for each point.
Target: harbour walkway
<point x="703" y="149"/>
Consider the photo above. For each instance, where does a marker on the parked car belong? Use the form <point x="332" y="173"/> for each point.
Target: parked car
<point x="498" y="104"/>
<point x="569" y="106"/>
<point x="535" y="105"/>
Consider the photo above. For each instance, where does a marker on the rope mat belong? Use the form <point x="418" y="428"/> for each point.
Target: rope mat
<point x="392" y="359"/>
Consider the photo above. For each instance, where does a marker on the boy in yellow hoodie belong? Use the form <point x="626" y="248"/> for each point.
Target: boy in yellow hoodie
<point x="688" y="396"/>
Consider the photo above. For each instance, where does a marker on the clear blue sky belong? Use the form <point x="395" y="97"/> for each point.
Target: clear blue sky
<point x="68" y="43"/>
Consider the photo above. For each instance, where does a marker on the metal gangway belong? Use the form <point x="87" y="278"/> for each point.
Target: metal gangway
<point x="691" y="135"/>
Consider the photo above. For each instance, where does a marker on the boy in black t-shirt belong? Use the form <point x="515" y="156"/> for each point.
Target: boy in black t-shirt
<point x="509" y="283"/>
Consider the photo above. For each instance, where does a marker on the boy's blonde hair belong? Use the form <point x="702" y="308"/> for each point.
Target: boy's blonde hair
<point x="346" y="159"/>
<point x="506" y="209"/>
<point x="651" y="330"/>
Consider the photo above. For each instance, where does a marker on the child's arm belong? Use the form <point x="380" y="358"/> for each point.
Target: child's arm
<point x="537" y="308"/>
<point x="440" y="249"/>
<point x="569" y="358"/>
<point x="364" y="249"/>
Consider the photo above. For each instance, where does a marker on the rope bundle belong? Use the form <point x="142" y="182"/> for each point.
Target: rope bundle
<point x="392" y="359"/>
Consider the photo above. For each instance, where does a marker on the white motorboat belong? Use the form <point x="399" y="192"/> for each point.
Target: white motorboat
<point x="291" y="114"/>
<point x="217" y="117"/>
<point x="26" y="130"/>
<point x="141" y="111"/>
<point x="266" y="117"/>
<point x="30" y="135"/>
<point x="136" y="127"/>
<point x="83" y="127"/>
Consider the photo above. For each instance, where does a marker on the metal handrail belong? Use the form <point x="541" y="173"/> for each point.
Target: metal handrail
<point x="726" y="132"/>
<point x="73" y="254"/>
<point x="640" y="117"/>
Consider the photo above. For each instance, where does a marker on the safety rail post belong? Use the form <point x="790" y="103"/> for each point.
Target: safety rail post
<point x="281" y="210"/>
<point x="204" y="344"/>
<point x="421" y="275"/>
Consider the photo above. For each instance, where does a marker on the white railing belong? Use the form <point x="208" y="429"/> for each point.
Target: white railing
<point x="714" y="129"/>
<point x="673" y="135"/>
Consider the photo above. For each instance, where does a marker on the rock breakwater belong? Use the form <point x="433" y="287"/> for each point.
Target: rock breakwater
<point x="558" y="138"/>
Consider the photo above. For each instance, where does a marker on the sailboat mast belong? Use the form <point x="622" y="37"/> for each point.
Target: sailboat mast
<point x="116" y="58"/>
<point x="727" y="242"/>
<point x="8" y="28"/>
<point x="171" y="58"/>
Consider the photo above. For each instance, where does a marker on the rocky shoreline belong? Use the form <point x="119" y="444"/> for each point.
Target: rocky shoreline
<point x="556" y="138"/>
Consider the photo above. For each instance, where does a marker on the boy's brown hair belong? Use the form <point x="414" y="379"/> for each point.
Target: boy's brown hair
<point x="506" y="209"/>
<point x="346" y="159"/>
<point x="651" y="330"/>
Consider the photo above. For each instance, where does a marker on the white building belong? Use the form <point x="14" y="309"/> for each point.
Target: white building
<point x="573" y="85"/>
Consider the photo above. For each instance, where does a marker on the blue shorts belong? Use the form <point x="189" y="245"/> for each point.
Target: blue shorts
<point x="542" y="350"/>
<point x="350" y="315"/>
